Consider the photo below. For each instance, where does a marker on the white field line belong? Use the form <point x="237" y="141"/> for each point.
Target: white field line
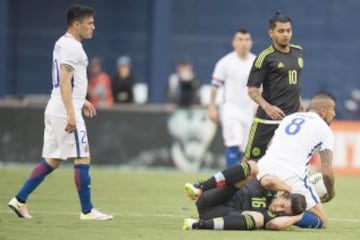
<point x="344" y="220"/>
<point x="118" y="214"/>
<point x="154" y="215"/>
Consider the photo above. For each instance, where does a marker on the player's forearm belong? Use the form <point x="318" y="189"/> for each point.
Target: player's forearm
<point x="66" y="74"/>
<point x="282" y="223"/>
<point x="326" y="157"/>
<point x="255" y="95"/>
<point x="213" y="95"/>
<point x="329" y="182"/>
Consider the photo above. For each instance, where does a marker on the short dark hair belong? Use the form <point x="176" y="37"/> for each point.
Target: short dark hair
<point x="242" y="30"/>
<point x="183" y="61"/>
<point x="324" y="94"/>
<point x="298" y="203"/>
<point x="77" y="12"/>
<point x="278" y="17"/>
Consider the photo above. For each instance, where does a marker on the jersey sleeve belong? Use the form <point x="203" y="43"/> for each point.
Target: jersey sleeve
<point x="219" y="74"/>
<point x="258" y="72"/>
<point x="328" y="140"/>
<point x="69" y="54"/>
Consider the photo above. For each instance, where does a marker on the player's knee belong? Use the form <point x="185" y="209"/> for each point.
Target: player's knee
<point x="255" y="219"/>
<point x="82" y="160"/>
<point x="253" y="168"/>
<point x="54" y="163"/>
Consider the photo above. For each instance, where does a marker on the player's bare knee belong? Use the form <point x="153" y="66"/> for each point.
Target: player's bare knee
<point x="253" y="168"/>
<point x="83" y="160"/>
<point x="267" y="182"/>
<point x="257" y="217"/>
<point x="54" y="163"/>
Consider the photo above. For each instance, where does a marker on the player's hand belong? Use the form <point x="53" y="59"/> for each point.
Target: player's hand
<point x="274" y="112"/>
<point x="213" y="113"/>
<point x="89" y="109"/>
<point x="70" y="123"/>
<point x="327" y="197"/>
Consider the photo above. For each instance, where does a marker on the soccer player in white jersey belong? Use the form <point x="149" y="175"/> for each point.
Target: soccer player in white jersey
<point x="297" y="138"/>
<point x="237" y="110"/>
<point x="65" y="135"/>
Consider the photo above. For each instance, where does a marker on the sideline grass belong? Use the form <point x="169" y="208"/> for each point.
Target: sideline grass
<point x="147" y="205"/>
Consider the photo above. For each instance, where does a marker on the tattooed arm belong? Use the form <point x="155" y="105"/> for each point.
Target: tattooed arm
<point x="66" y="74"/>
<point x="326" y="157"/>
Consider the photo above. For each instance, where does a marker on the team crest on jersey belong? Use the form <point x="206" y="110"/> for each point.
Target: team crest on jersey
<point x="256" y="151"/>
<point x="301" y="62"/>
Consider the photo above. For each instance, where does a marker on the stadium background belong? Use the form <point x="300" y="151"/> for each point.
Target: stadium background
<point x="156" y="33"/>
<point x="149" y="204"/>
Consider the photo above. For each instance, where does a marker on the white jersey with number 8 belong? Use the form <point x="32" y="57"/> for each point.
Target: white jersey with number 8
<point x="297" y="138"/>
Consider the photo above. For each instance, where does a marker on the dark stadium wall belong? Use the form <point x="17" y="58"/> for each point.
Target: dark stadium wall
<point x="184" y="139"/>
<point x="3" y="46"/>
<point x="157" y="33"/>
<point x="150" y="137"/>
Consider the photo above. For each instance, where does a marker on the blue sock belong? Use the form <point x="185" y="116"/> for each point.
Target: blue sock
<point x="309" y="220"/>
<point x="232" y="156"/>
<point x="40" y="171"/>
<point x="82" y="182"/>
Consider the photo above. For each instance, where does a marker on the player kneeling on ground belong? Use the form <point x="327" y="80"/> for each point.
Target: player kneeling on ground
<point x="232" y="200"/>
<point x="297" y="138"/>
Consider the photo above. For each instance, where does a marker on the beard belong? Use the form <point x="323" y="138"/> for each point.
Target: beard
<point x="283" y="45"/>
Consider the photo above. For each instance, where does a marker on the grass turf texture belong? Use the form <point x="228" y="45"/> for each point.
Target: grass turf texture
<point x="147" y="205"/>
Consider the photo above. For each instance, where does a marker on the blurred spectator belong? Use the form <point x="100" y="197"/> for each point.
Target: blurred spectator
<point x="99" y="89"/>
<point x="352" y="105"/>
<point x="183" y="85"/>
<point x="123" y="81"/>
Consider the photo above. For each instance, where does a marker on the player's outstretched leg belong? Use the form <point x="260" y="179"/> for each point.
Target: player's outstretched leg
<point x="82" y="182"/>
<point x="230" y="222"/>
<point x="227" y="177"/>
<point x="38" y="174"/>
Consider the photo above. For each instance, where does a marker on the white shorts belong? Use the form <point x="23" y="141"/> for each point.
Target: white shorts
<point x="59" y="144"/>
<point x="298" y="184"/>
<point x="235" y="133"/>
<point x="236" y="126"/>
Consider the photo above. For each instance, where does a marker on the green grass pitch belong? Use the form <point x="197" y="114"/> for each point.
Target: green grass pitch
<point x="147" y="205"/>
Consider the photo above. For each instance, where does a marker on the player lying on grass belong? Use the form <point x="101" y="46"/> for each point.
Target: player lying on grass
<point x="234" y="200"/>
<point x="297" y="138"/>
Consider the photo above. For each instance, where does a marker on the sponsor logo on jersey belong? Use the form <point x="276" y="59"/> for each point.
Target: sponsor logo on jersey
<point x="280" y="65"/>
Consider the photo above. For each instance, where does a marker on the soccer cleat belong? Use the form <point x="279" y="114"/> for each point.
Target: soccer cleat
<point x="95" y="214"/>
<point x="192" y="192"/>
<point x="189" y="224"/>
<point x="19" y="208"/>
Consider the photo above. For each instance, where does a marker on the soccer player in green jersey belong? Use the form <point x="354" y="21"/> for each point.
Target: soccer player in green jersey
<point x="274" y="84"/>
